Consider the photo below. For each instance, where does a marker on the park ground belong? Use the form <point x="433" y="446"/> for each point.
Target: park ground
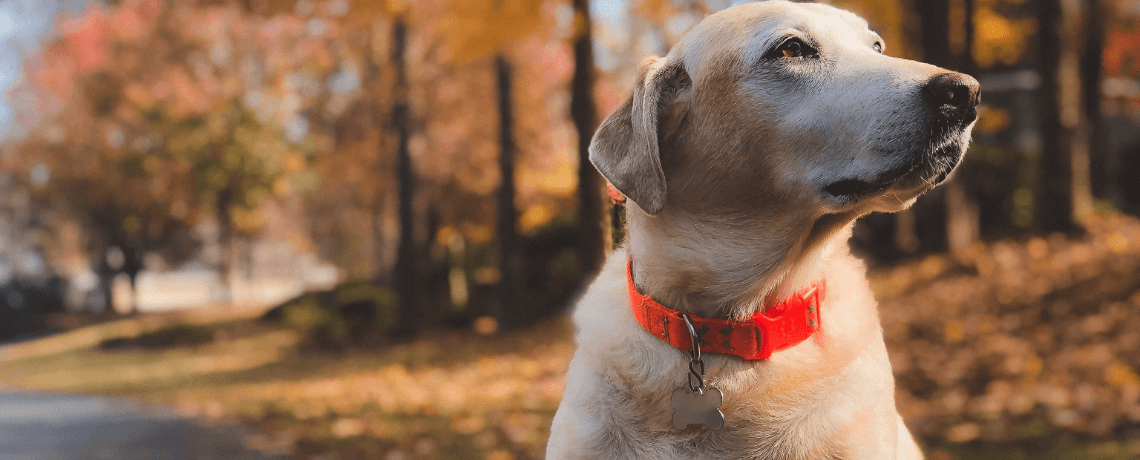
<point x="1016" y="349"/>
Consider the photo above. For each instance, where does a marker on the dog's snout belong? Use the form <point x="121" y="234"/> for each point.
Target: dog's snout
<point x="957" y="92"/>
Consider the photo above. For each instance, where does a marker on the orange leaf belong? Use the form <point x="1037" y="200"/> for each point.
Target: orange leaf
<point x="479" y="28"/>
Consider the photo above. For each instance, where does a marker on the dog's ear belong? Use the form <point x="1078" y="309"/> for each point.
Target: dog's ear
<point x="625" y="149"/>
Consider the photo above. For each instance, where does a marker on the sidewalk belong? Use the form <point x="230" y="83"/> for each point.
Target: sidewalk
<point x="52" y="427"/>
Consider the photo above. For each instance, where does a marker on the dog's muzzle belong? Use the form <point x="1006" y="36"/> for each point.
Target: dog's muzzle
<point x="951" y="101"/>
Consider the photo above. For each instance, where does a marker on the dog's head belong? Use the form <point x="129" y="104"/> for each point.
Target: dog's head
<point x="774" y="106"/>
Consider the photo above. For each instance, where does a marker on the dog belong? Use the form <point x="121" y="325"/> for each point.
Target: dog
<point x="746" y="154"/>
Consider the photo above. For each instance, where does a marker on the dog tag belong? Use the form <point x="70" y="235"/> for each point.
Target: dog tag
<point x="697" y="408"/>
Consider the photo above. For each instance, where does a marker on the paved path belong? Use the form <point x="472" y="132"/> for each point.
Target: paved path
<point x="50" y="427"/>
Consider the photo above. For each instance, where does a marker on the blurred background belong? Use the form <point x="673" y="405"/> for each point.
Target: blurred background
<point x="351" y="228"/>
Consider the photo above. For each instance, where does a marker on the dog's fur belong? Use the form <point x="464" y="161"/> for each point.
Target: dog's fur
<point x="745" y="170"/>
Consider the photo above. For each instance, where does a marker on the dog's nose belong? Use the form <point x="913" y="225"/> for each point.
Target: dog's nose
<point x="957" y="92"/>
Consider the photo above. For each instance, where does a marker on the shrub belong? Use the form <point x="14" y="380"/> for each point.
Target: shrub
<point x="354" y="313"/>
<point x="175" y="335"/>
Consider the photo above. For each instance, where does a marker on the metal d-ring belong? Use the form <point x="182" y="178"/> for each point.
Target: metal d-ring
<point x="695" y="359"/>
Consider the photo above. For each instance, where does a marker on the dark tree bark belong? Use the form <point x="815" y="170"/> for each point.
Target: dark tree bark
<point x="963" y="218"/>
<point x="106" y="289"/>
<point x="223" y="200"/>
<point x="1092" y="63"/>
<point x="406" y="275"/>
<point x="132" y="266"/>
<point x="934" y="17"/>
<point x="929" y="220"/>
<point x="509" y="261"/>
<point x="1063" y="188"/>
<point x="380" y="270"/>
<point x="106" y="278"/>
<point x="584" y="112"/>
<point x="969" y="65"/>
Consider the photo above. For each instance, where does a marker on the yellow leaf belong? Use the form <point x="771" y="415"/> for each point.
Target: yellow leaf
<point x="1117" y="243"/>
<point x="955" y="331"/>
<point x="370" y="11"/>
<point x="1119" y="374"/>
<point x="535" y="216"/>
<point x="394" y="6"/>
<point x="282" y="187"/>
<point x="479" y="28"/>
<point x="655" y="10"/>
<point x="1000" y="39"/>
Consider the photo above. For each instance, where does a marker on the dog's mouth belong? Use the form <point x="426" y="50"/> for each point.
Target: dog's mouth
<point x="925" y="170"/>
<point x="855" y="188"/>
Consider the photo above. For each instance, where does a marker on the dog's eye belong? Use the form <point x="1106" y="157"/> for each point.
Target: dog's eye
<point x="793" y="48"/>
<point x="878" y="47"/>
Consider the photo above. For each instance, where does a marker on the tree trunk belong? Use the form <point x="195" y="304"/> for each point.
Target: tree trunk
<point x="506" y="309"/>
<point x="930" y="216"/>
<point x="963" y="218"/>
<point x="1063" y="187"/>
<point x="106" y="284"/>
<point x="134" y="279"/>
<point x="224" y="200"/>
<point x="132" y="266"/>
<point x="103" y="270"/>
<point x="431" y="266"/>
<point x="376" y="230"/>
<point x="406" y="275"/>
<point x="934" y="17"/>
<point x="584" y="112"/>
<point x="969" y="64"/>
<point x="1092" y="63"/>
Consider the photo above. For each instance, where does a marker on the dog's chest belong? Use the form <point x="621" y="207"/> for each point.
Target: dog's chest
<point x="637" y="424"/>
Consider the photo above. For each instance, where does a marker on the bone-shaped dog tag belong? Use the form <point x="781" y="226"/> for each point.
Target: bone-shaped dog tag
<point x="695" y="408"/>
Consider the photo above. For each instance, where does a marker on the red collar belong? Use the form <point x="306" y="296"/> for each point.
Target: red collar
<point x="783" y="326"/>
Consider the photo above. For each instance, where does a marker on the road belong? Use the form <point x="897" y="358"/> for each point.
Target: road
<point x="59" y="427"/>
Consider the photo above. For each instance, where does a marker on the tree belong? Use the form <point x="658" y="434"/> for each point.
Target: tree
<point x="506" y="217"/>
<point x="1092" y="65"/>
<point x="145" y="135"/>
<point x="963" y="220"/>
<point x="122" y="238"/>
<point x="406" y="266"/>
<point x="235" y="161"/>
<point x="1064" y="196"/>
<point x="454" y="146"/>
<point x="927" y="220"/>
<point x="351" y="115"/>
<point x="480" y="29"/>
<point x="584" y="113"/>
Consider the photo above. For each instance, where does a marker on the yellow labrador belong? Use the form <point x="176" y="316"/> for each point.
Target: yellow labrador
<point x="747" y="152"/>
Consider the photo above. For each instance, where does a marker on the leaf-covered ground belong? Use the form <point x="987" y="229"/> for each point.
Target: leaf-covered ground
<point x="1021" y="341"/>
<point x="1013" y="350"/>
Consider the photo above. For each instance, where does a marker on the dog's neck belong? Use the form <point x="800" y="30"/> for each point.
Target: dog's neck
<point x="720" y="268"/>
